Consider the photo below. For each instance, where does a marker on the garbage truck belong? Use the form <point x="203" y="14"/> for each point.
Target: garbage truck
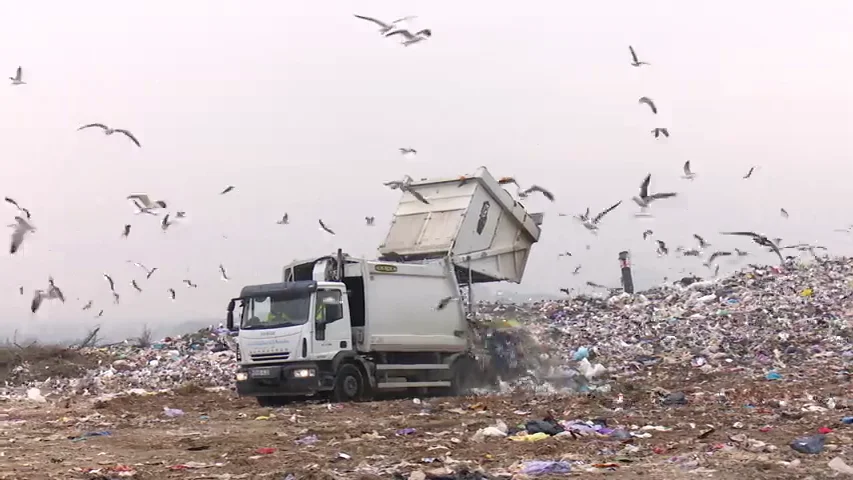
<point x="351" y="328"/>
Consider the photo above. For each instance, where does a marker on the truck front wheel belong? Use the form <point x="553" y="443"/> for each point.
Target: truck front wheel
<point x="349" y="384"/>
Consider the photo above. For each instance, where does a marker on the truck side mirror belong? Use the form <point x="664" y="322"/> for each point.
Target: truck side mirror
<point x="229" y="317"/>
<point x="334" y="312"/>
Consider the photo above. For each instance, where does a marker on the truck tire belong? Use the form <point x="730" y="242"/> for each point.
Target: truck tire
<point x="349" y="384"/>
<point x="463" y="376"/>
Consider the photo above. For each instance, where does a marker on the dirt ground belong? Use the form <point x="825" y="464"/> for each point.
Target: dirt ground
<point x="220" y="436"/>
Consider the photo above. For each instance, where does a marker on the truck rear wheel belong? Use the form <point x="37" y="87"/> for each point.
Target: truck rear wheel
<point x="349" y="384"/>
<point x="463" y="376"/>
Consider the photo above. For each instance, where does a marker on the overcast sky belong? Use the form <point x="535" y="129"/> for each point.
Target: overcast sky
<point x="302" y="107"/>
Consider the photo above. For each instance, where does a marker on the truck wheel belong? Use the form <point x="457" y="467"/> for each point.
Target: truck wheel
<point x="349" y="384"/>
<point x="463" y="376"/>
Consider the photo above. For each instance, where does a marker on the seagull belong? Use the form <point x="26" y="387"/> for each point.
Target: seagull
<point x="110" y="131"/>
<point x="445" y="301"/>
<point x="536" y="188"/>
<point x="761" y="240"/>
<point x="783" y="212"/>
<point x="126" y="231"/>
<point x="16" y="80"/>
<point x="40" y="295"/>
<point x="21" y="289"/>
<point x="660" y="131"/>
<point x="110" y="280"/>
<point x="227" y="189"/>
<point x="645" y="199"/>
<point x="410" y="39"/>
<point x="144" y="203"/>
<point x="399" y="184"/>
<point x="135" y="285"/>
<point x="567" y="291"/>
<point x="101" y="313"/>
<point x="408" y="152"/>
<point x="165" y="223"/>
<point x="565" y="254"/>
<point x="53" y="291"/>
<point x="716" y="255"/>
<point x="172" y="293"/>
<point x="190" y="284"/>
<point x="115" y="298"/>
<point x="688" y="175"/>
<point x="648" y="101"/>
<point x="634" y="61"/>
<point x="702" y="242"/>
<point x="592" y="225"/>
<point x="369" y="221"/>
<point x="647" y="234"/>
<point x="224" y="275"/>
<point x="284" y="220"/>
<point x="662" y="250"/>
<point x="576" y="270"/>
<point x="741" y="253"/>
<point x="385" y="27"/>
<point x="148" y="272"/>
<point x="180" y="214"/>
<point x="324" y="228"/>
<point x="688" y="253"/>
<point x="21" y="229"/>
<point x="749" y="173"/>
<point x="20" y="208"/>
<point x="88" y="305"/>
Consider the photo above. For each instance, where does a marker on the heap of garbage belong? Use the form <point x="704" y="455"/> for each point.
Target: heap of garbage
<point x="763" y="321"/>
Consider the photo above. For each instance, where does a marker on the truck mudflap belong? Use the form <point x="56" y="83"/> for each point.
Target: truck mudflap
<point x="297" y="379"/>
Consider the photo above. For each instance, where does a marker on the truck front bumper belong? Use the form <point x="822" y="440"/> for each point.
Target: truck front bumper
<point x="297" y="379"/>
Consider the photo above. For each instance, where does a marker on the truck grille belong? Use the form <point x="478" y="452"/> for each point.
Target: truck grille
<point x="268" y="357"/>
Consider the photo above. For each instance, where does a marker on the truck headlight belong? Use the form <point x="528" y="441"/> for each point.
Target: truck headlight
<point x="242" y="376"/>
<point x="304" y="373"/>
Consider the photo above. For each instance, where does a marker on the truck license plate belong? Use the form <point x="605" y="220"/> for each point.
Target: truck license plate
<point x="260" y="372"/>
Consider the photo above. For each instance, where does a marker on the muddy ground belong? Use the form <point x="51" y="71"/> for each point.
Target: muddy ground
<point x="220" y="436"/>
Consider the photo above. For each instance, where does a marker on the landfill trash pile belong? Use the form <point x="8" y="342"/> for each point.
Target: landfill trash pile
<point x="740" y="377"/>
<point x="203" y="359"/>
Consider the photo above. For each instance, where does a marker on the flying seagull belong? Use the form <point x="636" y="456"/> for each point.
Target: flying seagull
<point x="180" y="214"/>
<point x="53" y="291"/>
<point x="126" y="231"/>
<point x="110" y="280"/>
<point x="21" y="289"/>
<point x="385" y="27"/>
<point x="645" y="198"/>
<point x="716" y="255"/>
<point x="227" y="189"/>
<point x="749" y="173"/>
<point x="16" y="80"/>
<point x="223" y="275"/>
<point x="576" y="270"/>
<point x="741" y="253"/>
<point x="148" y="272"/>
<point x="190" y="284"/>
<point x="408" y="152"/>
<point x="100" y="314"/>
<point x="648" y="101"/>
<point x="144" y="203"/>
<point x="592" y="225"/>
<point x="567" y="291"/>
<point x="688" y="174"/>
<point x="20" y="208"/>
<point x="660" y="131"/>
<point x="325" y="228"/>
<point x="647" y="233"/>
<point x="783" y="212"/>
<point x="284" y="220"/>
<point x="21" y="229"/>
<point x="88" y="305"/>
<point x="662" y="250"/>
<point x="40" y="295"/>
<point x="115" y="298"/>
<point x="702" y="242"/>
<point x="110" y="131"/>
<point x="399" y="184"/>
<point x="172" y="293"/>
<point x="761" y="240"/>
<point x="135" y="285"/>
<point x="369" y="221"/>
<point x="524" y="193"/>
<point x="165" y="223"/>
<point x="564" y="254"/>
<point x="445" y="301"/>
<point x="634" y="61"/>
<point x="411" y="38"/>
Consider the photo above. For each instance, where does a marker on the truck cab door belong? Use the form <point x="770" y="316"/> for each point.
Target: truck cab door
<point x="332" y="332"/>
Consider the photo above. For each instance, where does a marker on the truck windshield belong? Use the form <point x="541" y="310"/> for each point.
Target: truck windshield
<point x="275" y="311"/>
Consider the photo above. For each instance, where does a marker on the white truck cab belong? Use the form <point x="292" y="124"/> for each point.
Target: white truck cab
<point x="351" y="327"/>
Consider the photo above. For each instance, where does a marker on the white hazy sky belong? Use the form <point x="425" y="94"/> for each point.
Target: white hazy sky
<point x="302" y="107"/>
